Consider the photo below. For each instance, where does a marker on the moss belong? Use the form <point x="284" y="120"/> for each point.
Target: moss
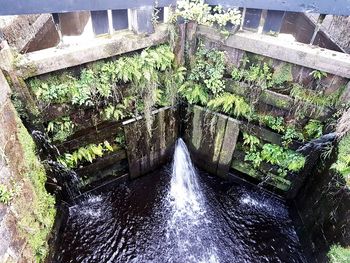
<point x="282" y="74"/>
<point x="37" y="221"/>
<point x="342" y="165"/>
<point x="338" y="254"/>
<point x="276" y="101"/>
<point x="317" y="98"/>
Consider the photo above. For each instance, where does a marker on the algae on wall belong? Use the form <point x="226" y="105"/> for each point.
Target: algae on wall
<point x="28" y="218"/>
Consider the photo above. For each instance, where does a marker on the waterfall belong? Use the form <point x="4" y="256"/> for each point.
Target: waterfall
<point x="187" y="224"/>
<point x="66" y="179"/>
<point x="184" y="189"/>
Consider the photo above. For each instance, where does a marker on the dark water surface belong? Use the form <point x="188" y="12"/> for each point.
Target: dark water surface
<point x="133" y="223"/>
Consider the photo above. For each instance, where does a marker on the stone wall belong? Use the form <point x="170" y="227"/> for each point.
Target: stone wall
<point x="23" y="232"/>
<point x="324" y="207"/>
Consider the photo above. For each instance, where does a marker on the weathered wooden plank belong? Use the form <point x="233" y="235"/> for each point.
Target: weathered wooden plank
<point x="147" y="152"/>
<point x="228" y="146"/>
<point x="333" y="62"/>
<point x="102" y="163"/>
<point x="53" y="59"/>
<point x="280" y="101"/>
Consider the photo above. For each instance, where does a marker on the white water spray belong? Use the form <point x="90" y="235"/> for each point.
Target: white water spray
<point x="188" y="224"/>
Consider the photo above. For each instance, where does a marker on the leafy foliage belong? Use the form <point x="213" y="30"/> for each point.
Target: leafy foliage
<point x="194" y="93"/>
<point x="6" y="194"/>
<point x="99" y="83"/>
<point x="259" y="75"/>
<point x="282" y="74"/>
<point x="172" y="80"/>
<point x="313" y="129"/>
<point x="60" y="128"/>
<point x="231" y="104"/>
<point x="315" y="97"/>
<point x="317" y="74"/>
<point x="342" y="165"/>
<point x="286" y="159"/>
<point x="209" y="69"/>
<point x="291" y="134"/>
<point x="86" y="154"/>
<point x="338" y="254"/>
<point x="202" y="13"/>
<point x="275" y="123"/>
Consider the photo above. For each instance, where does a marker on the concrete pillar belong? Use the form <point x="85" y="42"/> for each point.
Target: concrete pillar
<point x="141" y="20"/>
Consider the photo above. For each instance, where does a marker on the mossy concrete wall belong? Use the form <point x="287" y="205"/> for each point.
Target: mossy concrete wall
<point x="26" y="221"/>
<point x="324" y="207"/>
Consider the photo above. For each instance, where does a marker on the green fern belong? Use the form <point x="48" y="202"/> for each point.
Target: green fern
<point x="231" y="104"/>
<point x="194" y="93"/>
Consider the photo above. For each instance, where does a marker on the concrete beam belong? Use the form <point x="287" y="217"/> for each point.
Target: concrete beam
<point x="52" y="59"/>
<point x="297" y="53"/>
<point x="53" y="6"/>
<point x="335" y="7"/>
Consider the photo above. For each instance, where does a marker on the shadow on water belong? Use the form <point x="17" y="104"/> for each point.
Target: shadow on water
<point x="179" y="215"/>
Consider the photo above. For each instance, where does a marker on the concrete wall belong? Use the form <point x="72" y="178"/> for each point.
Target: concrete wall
<point x="324" y="207"/>
<point x="18" y="219"/>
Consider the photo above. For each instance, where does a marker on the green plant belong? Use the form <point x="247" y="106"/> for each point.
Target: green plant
<point x="209" y="69"/>
<point x="291" y="134"/>
<point x="285" y="159"/>
<point x="172" y="79"/>
<point x="60" y="128"/>
<point x="315" y="97"/>
<point x="194" y="93"/>
<point x="6" y="194"/>
<point x="313" y="129"/>
<point x="318" y="75"/>
<point x="275" y="123"/>
<point x="202" y="13"/>
<point x="342" y="165"/>
<point x="338" y="254"/>
<point x="257" y="75"/>
<point x="254" y="157"/>
<point x="87" y="153"/>
<point x="36" y="213"/>
<point x="120" y="140"/>
<point x="250" y="140"/>
<point x="281" y="75"/>
<point x="252" y="154"/>
<point x="119" y="111"/>
<point x="231" y="104"/>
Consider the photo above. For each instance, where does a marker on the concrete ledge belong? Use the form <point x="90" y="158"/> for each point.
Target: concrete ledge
<point x="297" y="53"/>
<point x="52" y="59"/>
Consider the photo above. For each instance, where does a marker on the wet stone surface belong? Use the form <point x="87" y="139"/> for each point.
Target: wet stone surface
<point x="133" y="223"/>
